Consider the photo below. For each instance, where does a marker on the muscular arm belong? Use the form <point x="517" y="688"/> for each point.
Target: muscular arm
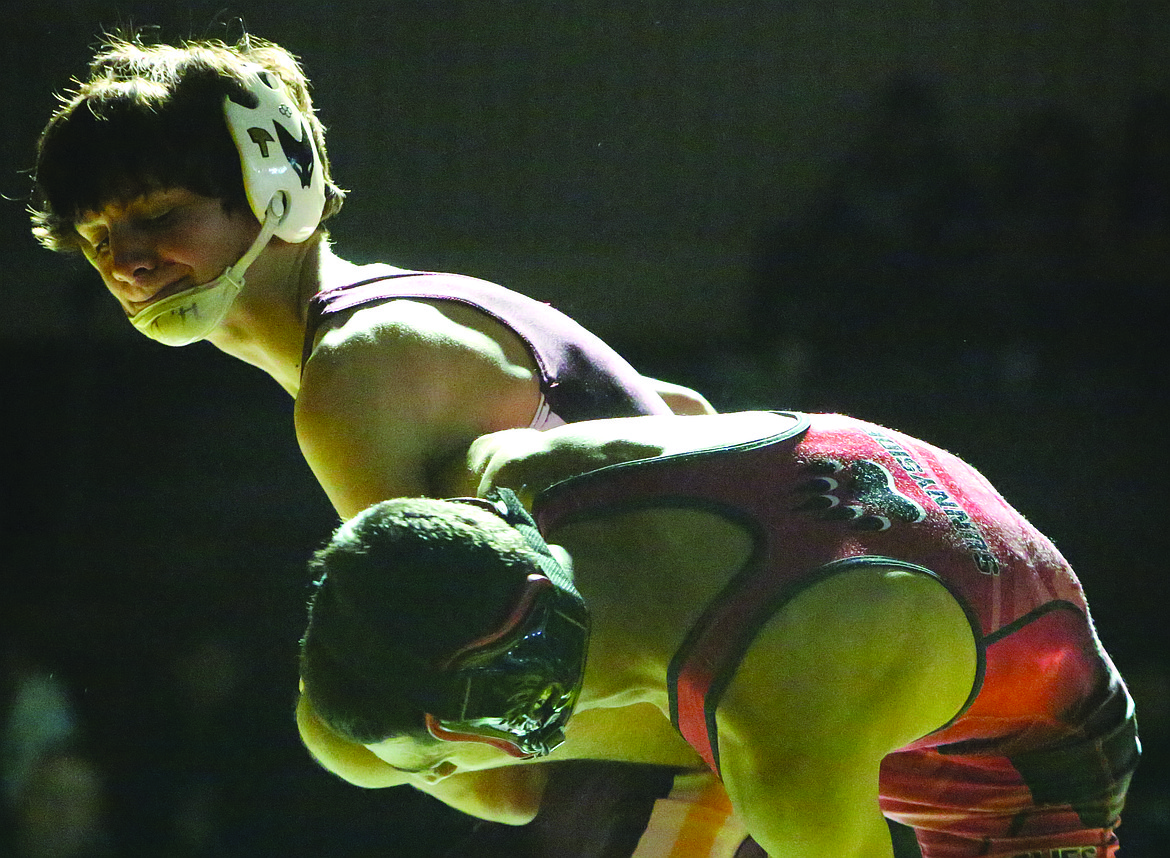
<point x="854" y="668"/>
<point x="388" y="405"/>
<point x="393" y="396"/>
<point x="528" y="461"/>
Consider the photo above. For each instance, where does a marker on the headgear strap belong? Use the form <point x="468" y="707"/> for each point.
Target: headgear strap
<point x="516" y="687"/>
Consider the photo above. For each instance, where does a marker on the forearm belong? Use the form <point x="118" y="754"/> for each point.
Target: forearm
<point x="511" y="794"/>
<point x="681" y="400"/>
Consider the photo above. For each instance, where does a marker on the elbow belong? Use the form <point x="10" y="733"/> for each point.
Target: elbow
<point x="682" y="400"/>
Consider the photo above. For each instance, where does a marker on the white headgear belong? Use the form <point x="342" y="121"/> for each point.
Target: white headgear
<point x="285" y="186"/>
<point x="278" y="155"/>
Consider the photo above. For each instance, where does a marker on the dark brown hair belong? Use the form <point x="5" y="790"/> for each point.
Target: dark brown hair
<point x="402" y="586"/>
<point x="150" y="117"/>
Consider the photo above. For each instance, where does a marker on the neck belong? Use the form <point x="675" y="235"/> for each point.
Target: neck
<point x="266" y="325"/>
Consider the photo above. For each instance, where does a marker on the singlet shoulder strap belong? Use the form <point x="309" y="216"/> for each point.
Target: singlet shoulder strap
<point x="330" y="302"/>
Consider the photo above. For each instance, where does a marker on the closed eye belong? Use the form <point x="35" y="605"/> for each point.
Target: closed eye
<point x="160" y="219"/>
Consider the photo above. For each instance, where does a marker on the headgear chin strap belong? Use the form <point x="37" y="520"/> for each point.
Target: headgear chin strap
<point x="516" y="688"/>
<point x="285" y="187"/>
<point x="189" y="316"/>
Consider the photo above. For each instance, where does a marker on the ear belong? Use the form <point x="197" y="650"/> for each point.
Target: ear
<point x="278" y="155"/>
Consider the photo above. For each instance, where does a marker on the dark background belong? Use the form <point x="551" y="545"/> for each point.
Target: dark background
<point x="952" y="218"/>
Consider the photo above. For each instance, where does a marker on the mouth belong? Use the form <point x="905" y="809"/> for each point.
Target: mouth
<point x="180" y="285"/>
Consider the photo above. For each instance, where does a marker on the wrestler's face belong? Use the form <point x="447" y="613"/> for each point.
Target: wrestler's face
<point x="164" y="242"/>
<point x="432" y="760"/>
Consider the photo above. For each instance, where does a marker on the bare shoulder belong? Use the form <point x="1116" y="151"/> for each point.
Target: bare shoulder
<point x="370" y="386"/>
<point x="397" y="329"/>
<point x="863" y="662"/>
<point x="856" y="666"/>
<point x="394" y="392"/>
<point x="369" y="354"/>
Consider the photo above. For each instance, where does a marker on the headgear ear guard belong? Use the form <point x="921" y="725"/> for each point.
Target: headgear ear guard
<point x="516" y="688"/>
<point x="285" y="186"/>
<point x="278" y="155"/>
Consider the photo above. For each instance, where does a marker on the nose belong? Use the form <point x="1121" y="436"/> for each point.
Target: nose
<point x="132" y="256"/>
